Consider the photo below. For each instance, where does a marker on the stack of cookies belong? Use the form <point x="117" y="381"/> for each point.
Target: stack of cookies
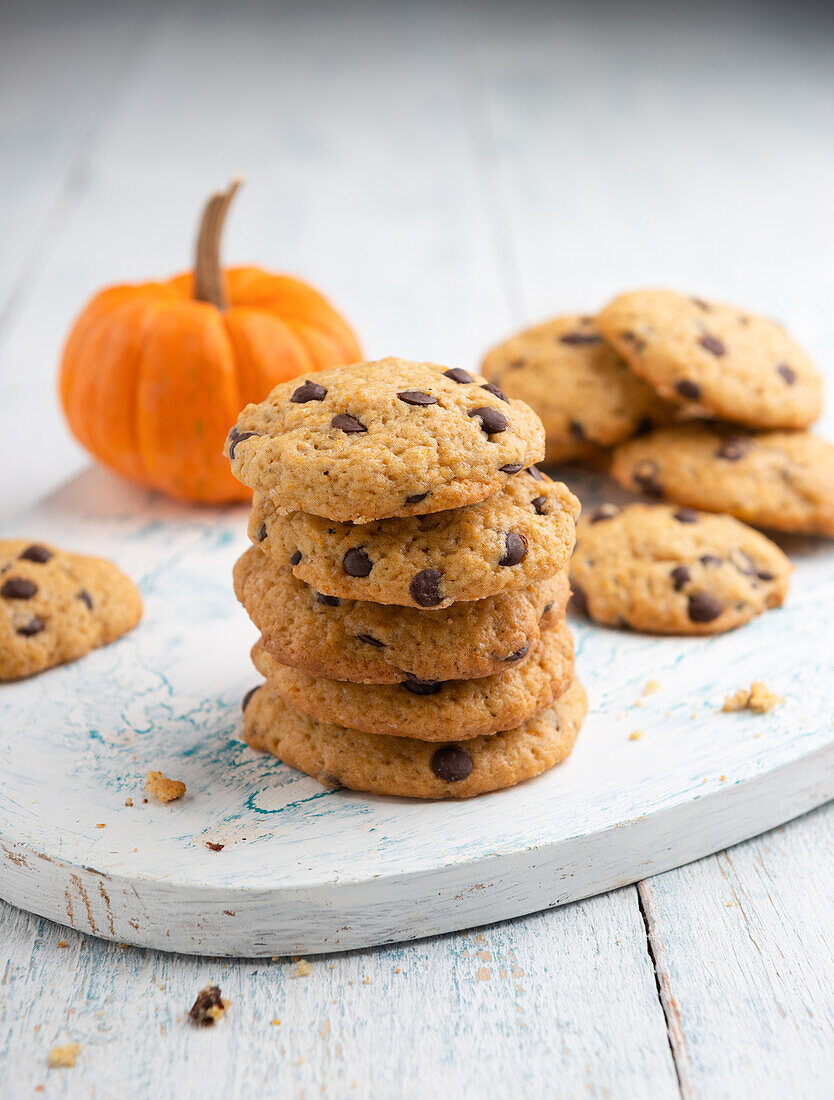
<point x="408" y="576"/>
<point x="700" y="404"/>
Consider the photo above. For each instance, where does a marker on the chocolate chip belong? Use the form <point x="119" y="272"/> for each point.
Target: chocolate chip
<point x="690" y="391"/>
<point x="369" y="639"/>
<point x="425" y="588"/>
<point x="512" y="468"/>
<point x="515" y="548"/>
<point x="709" y="559"/>
<point x="605" y="511"/>
<point x="85" y="598"/>
<point x="713" y="345"/>
<point x="295" y="557"/>
<point x="238" y="437"/>
<point x="247" y="698"/>
<point x="514" y="364"/>
<point x="644" y="426"/>
<point x="636" y="341"/>
<point x="680" y="576"/>
<point x="330" y="601"/>
<point x="492" y="420"/>
<point x="18" y="588"/>
<point x="536" y="473"/>
<point x="519" y="653"/>
<point x="308" y="391"/>
<point x="701" y="304"/>
<point x="763" y="575"/>
<point x="347" y="423"/>
<point x="262" y="533"/>
<point x="576" y="429"/>
<point x="356" y="562"/>
<point x="788" y="373"/>
<point x="579" y="339"/>
<point x="645" y="475"/>
<point x="203" y="1011"/>
<point x="415" y="498"/>
<point x="451" y="763"/>
<point x="734" y="448"/>
<point x="214" y="846"/>
<point x="686" y="515"/>
<point x="579" y="601"/>
<point x="33" y="627"/>
<point x="496" y="391"/>
<point x="547" y="607"/>
<point x="538" y="505"/>
<point x="36" y="553"/>
<point x="458" y="375"/>
<point x="703" y="607"/>
<point x="421" y="687"/>
<point x="416" y="397"/>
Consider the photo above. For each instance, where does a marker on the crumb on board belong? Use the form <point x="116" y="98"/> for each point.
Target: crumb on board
<point x="635" y="735"/>
<point x="301" y="969"/>
<point x="101" y="825"/>
<point x="651" y="687"/>
<point x="63" y="1056"/>
<point x="128" y="801"/>
<point x="62" y="943"/>
<point x="275" y="1022"/>
<point x="209" y="1006"/>
<point x="215" y="847"/>
<point x="758" y="698"/>
<point x="163" y="788"/>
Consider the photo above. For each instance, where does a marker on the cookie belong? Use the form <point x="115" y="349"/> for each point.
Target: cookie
<point x="671" y="570"/>
<point x="56" y="606"/>
<point x="521" y="534"/>
<point x="738" y="366"/>
<point x="583" y="391"/>
<point x="432" y="710"/>
<point x="379" y="644"/>
<point x="390" y="438"/>
<point x="340" y="757"/>
<point x="780" y="480"/>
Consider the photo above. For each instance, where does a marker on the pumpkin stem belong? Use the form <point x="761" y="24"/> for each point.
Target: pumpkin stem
<point x="209" y="284"/>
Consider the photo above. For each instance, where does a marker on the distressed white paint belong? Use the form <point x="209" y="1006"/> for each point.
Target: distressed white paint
<point x="306" y="869"/>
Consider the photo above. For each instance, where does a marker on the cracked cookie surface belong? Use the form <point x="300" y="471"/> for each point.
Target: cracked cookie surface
<point x="780" y="480"/>
<point x="668" y="569"/>
<point x="339" y="757"/>
<point x="377" y="643"/>
<point x="429" y="710"/>
<point x="378" y="439"/>
<point x="584" y="392"/>
<point x="521" y="534"/>
<point x="739" y="366"/>
<point x="56" y="606"/>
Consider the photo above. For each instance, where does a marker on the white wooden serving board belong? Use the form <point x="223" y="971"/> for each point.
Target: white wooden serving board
<point x="307" y="870"/>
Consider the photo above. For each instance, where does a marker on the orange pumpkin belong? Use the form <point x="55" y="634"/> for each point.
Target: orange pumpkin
<point x="153" y="375"/>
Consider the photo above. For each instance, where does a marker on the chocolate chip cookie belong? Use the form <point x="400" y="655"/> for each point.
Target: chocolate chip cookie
<point x="671" y="570"/>
<point x="736" y="365"/>
<point x="56" y="606"/>
<point x="780" y="480"/>
<point x="390" y="438"/>
<point x="403" y="766"/>
<point x="521" y="534"/>
<point x="581" y="388"/>
<point x="432" y="710"/>
<point x="378" y="644"/>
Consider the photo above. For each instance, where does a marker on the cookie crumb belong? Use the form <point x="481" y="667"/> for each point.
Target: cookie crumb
<point x="101" y="825"/>
<point x="163" y="788"/>
<point x="64" y="1056"/>
<point x="651" y="687"/>
<point x="215" y="847"/>
<point x="635" y="735"/>
<point x="62" y="943"/>
<point x="276" y="1022"/>
<point x="759" y="698"/>
<point x="128" y="801"/>
<point x="209" y="1006"/>
<point x="302" y="969"/>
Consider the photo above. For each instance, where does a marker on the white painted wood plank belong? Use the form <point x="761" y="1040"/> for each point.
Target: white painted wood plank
<point x="519" y="1009"/>
<point x="744" y="954"/>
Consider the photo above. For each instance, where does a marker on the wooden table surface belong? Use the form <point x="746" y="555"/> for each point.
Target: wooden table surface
<point x="446" y="172"/>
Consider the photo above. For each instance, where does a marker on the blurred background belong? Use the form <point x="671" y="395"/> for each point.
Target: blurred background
<point x="444" y="171"/>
